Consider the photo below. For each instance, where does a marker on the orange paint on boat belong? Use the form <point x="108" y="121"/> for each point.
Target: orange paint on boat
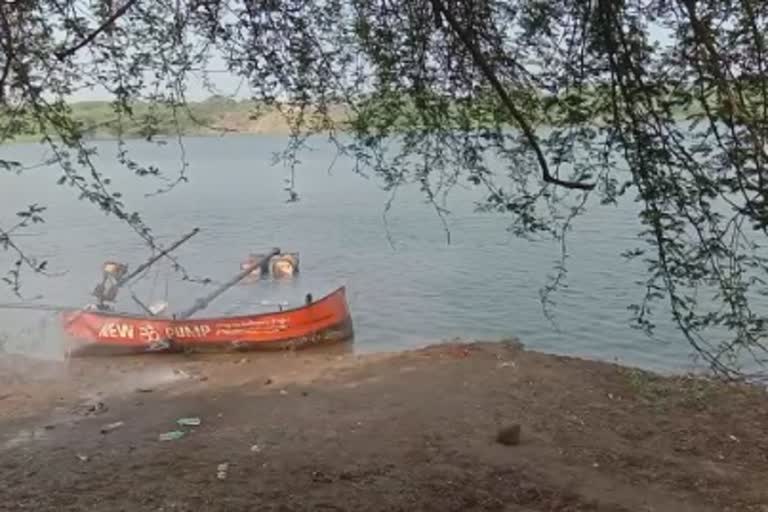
<point x="94" y="332"/>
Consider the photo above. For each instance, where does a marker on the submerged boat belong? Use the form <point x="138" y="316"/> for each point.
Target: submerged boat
<point x="108" y="333"/>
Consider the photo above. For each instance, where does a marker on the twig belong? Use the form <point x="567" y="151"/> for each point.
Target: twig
<point x="90" y="37"/>
<point x="385" y="216"/>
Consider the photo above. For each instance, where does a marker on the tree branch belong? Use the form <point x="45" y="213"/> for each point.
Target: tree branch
<point x="90" y="37"/>
<point x="490" y="75"/>
<point x="9" y="53"/>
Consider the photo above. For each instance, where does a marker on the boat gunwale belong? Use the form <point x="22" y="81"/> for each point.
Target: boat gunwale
<point x="341" y="290"/>
<point x="343" y="331"/>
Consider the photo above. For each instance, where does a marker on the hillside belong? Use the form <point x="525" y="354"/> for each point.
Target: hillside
<point x="215" y="116"/>
<point x="218" y="115"/>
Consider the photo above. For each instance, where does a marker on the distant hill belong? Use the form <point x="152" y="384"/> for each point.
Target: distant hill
<point x="220" y="115"/>
<point x="216" y="115"/>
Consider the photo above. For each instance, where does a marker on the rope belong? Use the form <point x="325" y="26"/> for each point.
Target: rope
<point x="154" y="283"/>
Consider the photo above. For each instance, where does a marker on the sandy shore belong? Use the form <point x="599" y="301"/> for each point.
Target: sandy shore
<point x="407" y="431"/>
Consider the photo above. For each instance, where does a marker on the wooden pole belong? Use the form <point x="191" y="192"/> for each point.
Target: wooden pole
<point x="205" y="301"/>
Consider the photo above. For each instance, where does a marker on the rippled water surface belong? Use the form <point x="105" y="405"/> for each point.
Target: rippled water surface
<point x="485" y="284"/>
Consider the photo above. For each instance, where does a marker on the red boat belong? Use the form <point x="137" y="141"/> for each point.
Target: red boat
<point x="108" y="333"/>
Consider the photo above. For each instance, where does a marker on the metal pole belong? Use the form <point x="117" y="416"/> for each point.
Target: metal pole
<point x="203" y="302"/>
<point x="153" y="259"/>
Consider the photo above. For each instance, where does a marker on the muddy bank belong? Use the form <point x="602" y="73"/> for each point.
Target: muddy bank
<point x="409" y="431"/>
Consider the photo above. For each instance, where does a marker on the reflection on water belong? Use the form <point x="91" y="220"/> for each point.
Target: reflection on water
<point x="484" y="285"/>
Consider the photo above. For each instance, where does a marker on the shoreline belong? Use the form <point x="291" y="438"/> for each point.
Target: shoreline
<point x="410" y="430"/>
<point x="166" y="137"/>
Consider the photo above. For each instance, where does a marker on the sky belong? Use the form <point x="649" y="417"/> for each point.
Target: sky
<point x="225" y="84"/>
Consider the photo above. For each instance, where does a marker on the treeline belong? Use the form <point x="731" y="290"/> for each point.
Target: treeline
<point x="384" y="111"/>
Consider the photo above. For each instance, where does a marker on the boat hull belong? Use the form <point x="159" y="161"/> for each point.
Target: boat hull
<point x="91" y="333"/>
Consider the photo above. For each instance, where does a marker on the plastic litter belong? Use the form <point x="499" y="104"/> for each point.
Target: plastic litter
<point x="173" y="435"/>
<point x="112" y="426"/>
<point x="189" y="422"/>
<point x="221" y="471"/>
<point x="158" y="307"/>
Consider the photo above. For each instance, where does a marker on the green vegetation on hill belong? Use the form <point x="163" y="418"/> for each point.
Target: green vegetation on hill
<point x="218" y="114"/>
<point x="100" y="119"/>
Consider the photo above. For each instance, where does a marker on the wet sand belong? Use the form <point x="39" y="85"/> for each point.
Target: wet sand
<point x="409" y="431"/>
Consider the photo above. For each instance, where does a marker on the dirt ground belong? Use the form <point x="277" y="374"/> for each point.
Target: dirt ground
<point x="408" y="431"/>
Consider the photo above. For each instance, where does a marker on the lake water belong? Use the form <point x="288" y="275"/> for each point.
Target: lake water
<point x="484" y="285"/>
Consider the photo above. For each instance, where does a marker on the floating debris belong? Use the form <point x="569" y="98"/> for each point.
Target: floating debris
<point x="82" y="458"/>
<point x="221" y="471"/>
